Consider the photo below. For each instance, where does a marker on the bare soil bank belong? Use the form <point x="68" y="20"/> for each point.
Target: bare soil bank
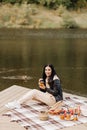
<point x="35" y="16"/>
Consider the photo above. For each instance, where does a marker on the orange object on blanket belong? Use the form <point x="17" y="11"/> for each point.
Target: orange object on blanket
<point x="56" y="108"/>
<point x="54" y="112"/>
<point x="62" y="114"/>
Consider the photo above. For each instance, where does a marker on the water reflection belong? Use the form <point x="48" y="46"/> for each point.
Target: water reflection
<point x="27" y="55"/>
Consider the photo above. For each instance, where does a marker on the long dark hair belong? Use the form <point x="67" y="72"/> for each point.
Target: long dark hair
<point x="52" y="74"/>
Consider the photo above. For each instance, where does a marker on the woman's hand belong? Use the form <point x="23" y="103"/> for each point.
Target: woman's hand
<point x="41" y="84"/>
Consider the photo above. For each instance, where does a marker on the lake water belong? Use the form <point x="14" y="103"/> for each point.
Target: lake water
<point x="23" y="53"/>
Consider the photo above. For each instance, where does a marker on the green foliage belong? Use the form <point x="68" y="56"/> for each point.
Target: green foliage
<point x="66" y="3"/>
<point x="56" y="3"/>
<point x="53" y="3"/>
<point x="81" y="3"/>
<point x="30" y="1"/>
<point x="60" y="11"/>
<point x="12" y="1"/>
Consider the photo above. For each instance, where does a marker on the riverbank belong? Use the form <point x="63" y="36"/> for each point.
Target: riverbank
<point x="36" y="16"/>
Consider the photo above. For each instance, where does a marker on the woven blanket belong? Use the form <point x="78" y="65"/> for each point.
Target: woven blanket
<point x="28" y="115"/>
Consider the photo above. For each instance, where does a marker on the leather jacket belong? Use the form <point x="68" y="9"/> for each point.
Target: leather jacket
<point x="55" y="88"/>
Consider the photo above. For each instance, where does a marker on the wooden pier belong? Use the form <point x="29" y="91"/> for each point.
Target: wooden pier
<point x="12" y="93"/>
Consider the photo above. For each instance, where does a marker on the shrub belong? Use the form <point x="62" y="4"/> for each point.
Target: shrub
<point x="60" y="10"/>
<point x="12" y="1"/>
<point x="81" y="3"/>
<point x="53" y="3"/>
<point x="68" y="21"/>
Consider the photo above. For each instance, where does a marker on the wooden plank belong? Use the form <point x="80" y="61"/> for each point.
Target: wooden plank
<point x="10" y="94"/>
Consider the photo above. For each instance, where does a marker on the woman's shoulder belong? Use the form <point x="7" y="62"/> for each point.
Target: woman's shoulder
<point x="56" y="77"/>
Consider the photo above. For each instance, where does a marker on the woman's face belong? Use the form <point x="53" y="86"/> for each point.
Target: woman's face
<point x="48" y="71"/>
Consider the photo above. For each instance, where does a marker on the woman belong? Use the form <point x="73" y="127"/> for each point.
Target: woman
<point x="50" y="90"/>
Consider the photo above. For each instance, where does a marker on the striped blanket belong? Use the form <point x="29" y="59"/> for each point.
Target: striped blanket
<point x="28" y="115"/>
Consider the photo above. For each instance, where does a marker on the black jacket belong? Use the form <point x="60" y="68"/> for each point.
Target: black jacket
<point x="55" y="89"/>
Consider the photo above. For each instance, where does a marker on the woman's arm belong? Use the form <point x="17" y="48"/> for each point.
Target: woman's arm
<point x="42" y="86"/>
<point x="55" y="89"/>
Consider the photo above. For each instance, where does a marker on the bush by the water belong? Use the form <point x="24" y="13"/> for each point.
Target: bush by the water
<point x="68" y="21"/>
<point x="52" y="3"/>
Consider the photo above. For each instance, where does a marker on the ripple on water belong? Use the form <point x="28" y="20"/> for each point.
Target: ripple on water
<point x="20" y="77"/>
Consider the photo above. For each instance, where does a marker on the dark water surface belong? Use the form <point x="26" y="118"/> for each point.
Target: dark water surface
<point x="23" y="53"/>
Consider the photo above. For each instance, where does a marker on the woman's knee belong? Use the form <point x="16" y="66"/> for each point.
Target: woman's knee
<point x="34" y="91"/>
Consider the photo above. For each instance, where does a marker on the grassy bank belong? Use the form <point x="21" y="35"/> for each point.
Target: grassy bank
<point x="37" y="16"/>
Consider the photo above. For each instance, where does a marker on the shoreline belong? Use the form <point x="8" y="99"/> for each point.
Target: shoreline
<point x="32" y="16"/>
<point x="27" y="33"/>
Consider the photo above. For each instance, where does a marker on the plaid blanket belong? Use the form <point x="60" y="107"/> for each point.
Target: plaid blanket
<point x="28" y="115"/>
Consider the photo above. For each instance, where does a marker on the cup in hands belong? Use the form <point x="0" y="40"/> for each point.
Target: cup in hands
<point x="41" y="83"/>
